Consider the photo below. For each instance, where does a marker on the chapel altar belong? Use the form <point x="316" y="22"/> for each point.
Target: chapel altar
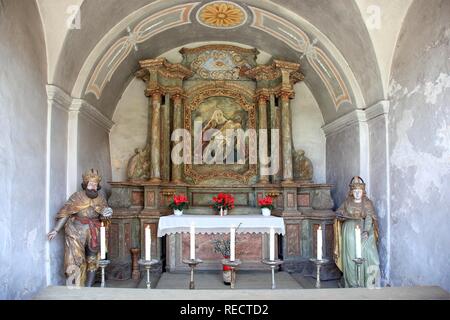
<point x="214" y="89"/>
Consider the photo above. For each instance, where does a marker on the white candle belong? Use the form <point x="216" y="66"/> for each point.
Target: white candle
<point x="102" y="242"/>
<point x="319" y="243"/>
<point x="272" y="245"/>
<point x="148" y="243"/>
<point x="358" y="242"/>
<point x="232" y="244"/>
<point x="192" y="242"/>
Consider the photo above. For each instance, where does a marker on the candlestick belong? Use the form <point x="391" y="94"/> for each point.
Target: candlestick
<point x="232" y="244"/>
<point x="358" y="242"/>
<point x="148" y="243"/>
<point x="319" y="243"/>
<point x="102" y="242"/>
<point x="192" y="242"/>
<point x="272" y="244"/>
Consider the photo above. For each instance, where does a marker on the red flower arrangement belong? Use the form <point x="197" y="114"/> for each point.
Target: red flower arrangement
<point x="179" y="202"/>
<point x="223" y="201"/>
<point x="266" y="202"/>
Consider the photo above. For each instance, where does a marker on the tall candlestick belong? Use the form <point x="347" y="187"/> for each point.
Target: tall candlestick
<point x="232" y="244"/>
<point x="148" y="243"/>
<point x="272" y="244"/>
<point x="358" y="242"/>
<point x="192" y="242"/>
<point x="102" y="242"/>
<point x="319" y="243"/>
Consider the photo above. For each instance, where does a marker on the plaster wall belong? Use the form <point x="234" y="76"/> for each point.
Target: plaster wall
<point x="307" y="122"/>
<point x="58" y="195"/>
<point x="23" y="120"/>
<point x="57" y="16"/>
<point x="343" y="160"/>
<point x="130" y="131"/>
<point x="378" y="164"/>
<point x="93" y="150"/>
<point x="420" y="148"/>
<point x="384" y="19"/>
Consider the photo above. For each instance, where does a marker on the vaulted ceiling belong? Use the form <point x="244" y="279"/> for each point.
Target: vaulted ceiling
<point x="330" y="39"/>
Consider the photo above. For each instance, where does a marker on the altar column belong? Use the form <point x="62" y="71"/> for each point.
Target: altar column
<point x="286" y="137"/>
<point x="276" y="124"/>
<point x="177" y="124"/>
<point x="263" y="147"/>
<point x="155" y="142"/>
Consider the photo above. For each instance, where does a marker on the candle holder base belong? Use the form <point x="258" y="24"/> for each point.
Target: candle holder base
<point x="232" y="265"/>
<point x="319" y="264"/>
<point x="148" y="264"/>
<point x="359" y="262"/>
<point x="192" y="264"/>
<point x="273" y="264"/>
<point x="103" y="264"/>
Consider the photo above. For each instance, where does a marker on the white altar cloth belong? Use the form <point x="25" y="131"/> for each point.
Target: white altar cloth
<point x="213" y="224"/>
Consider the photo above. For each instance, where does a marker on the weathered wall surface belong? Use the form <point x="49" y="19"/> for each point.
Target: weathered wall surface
<point x="58" y="194"/>
<point x="130" y="131"/>
<point x="23" y="118"/>
<point x="307" y="122"/>
<point x="93" y="150"/>
<point x="378" y="185"/>
<point x="420" y="148"/>
<point x="343" y="160"/>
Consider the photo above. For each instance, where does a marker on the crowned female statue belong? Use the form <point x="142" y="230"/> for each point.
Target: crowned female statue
<point x="357" y="211"/>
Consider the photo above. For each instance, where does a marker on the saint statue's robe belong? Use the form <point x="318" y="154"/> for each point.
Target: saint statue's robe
<point x="352" y="214"/>
<point x="80" y="218"/>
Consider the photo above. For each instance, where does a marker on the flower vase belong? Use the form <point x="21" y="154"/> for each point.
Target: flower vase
<point x="226" y="273"/>
<point x="265" y="212"/>
<point x="225" y="212"/>
<point x="177" y="212"/>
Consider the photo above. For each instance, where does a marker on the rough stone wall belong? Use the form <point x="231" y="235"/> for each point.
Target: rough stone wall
<point x="420" y="148"/>
<point x="23" y="118"/>
<point x="343" y="161"/>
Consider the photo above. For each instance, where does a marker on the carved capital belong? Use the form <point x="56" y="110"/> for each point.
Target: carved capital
<point x="261" y="73"/>
<point x="285" y="95"/>
<point x="178" y="98"/>
<point x="154" y="92"/>
<point x="262" y="98"/>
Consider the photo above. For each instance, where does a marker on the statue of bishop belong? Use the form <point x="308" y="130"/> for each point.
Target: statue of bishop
<point x="81" y="218"/>
<point x="357" y="216"/>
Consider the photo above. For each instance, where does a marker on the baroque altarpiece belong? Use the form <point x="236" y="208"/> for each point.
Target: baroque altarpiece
<point x="219" y="87"/>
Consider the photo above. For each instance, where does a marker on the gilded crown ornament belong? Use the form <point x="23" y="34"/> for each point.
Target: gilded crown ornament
<point x="357" y="183"/>
<point x="92" y="175"/>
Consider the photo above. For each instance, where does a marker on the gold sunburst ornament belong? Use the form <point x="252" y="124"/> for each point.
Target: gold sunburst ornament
<point x="221" y="14"/>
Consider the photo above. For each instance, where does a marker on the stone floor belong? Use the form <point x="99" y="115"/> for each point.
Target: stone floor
<point x="411" y="293"/>
<point x="250" y="285"/>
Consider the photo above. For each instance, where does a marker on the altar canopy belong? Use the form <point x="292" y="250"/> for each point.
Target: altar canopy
<point x="208" y="224"/>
